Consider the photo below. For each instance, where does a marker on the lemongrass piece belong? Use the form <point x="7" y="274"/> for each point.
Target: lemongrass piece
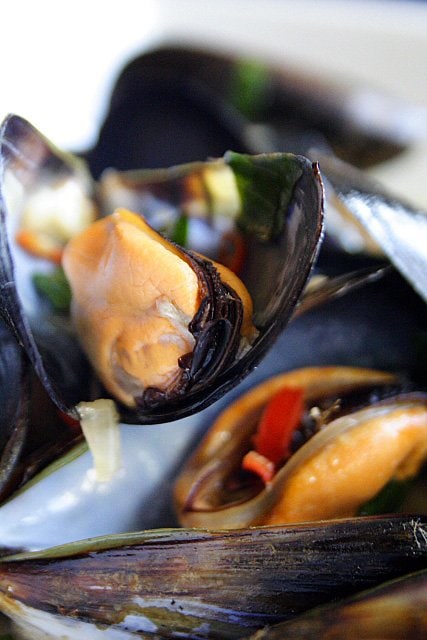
<point x="99" y="421"/>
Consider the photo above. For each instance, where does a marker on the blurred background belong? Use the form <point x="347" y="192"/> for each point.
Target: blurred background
<point x="60" y="62"/>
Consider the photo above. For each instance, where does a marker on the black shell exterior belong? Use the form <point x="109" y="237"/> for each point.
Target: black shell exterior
<point x="232" y="581"/>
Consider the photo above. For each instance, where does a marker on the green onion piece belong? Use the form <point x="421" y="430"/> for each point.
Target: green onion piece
<point x="55" y="288"/>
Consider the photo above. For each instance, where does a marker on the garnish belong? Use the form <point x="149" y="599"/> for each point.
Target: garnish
<point x="180" y="231"/>
<point x="55" y="288"/>
<point x="251" y="83"/>
<point x="280" y="418"/>
<point x="40" y="245"/>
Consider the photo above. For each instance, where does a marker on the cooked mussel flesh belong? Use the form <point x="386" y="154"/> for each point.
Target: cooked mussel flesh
<point x="155" y="320"/>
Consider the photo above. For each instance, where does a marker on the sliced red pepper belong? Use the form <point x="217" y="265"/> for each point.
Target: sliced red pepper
<point x="262" y="466"/>
<point x="279" y="420"/>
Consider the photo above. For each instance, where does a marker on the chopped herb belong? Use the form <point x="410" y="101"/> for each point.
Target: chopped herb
<point x="180" y="231"/>
<point x="388" y="500"/>
<point x="266" y="186"/>
<point x="250" y="86"/>
<point x="55" y="288"/>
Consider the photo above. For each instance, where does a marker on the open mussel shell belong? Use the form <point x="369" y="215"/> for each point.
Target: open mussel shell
<point x="392" y="611"/>
<point x="276" y="209"/>
<point x="30" y="165"/>
<point x="359" y="431"/>
<point x="398" y="229"/>
<point x="176" y="103"/>
<point x="193" y="582"/>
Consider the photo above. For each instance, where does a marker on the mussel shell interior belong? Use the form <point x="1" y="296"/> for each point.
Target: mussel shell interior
<point x="29" y="161"/>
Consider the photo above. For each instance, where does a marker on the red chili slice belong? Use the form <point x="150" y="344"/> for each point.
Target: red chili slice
<point x="280" y="418"/>
<point x="262" y="466"/>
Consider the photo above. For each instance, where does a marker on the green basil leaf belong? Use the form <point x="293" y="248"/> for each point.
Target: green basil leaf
<point x="266" y="184"/>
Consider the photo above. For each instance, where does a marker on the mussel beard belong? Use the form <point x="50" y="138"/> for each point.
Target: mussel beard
<point x="369" y="431"/>
<point x="216" y="330"/>
<point x="156" y="321"/>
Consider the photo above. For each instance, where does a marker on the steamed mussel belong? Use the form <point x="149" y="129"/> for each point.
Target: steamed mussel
<point x="272" y="203"/>
<point x="176" y="103"/>
<point x="310" y="444"/>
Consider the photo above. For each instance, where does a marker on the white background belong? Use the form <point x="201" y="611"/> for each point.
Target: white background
<point x="59" y="61"/>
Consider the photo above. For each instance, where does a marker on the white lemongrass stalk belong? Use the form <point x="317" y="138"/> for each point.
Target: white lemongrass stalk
<point x="100" y="425"/>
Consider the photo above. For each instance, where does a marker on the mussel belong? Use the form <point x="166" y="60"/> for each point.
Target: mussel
<point x="273" y="204"/>
<point x="155" y="320"/>
<point x="176" y="103"/>
<point x="202" y="584"/>
<point x="310" y="444"/>
<point x="392" y="611"/>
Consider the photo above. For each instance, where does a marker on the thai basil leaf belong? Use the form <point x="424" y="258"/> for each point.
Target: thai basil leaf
<point x="266" y="185"/>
